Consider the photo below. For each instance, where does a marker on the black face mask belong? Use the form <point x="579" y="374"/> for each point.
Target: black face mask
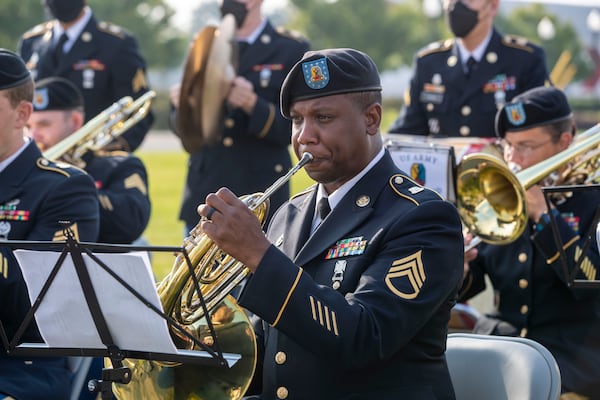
<point x="65" y="10"/>
<point x="235" y="8"/>
<point x="462" y="19"/>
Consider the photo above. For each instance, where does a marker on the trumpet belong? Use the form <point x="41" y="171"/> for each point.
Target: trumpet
<point x="102" y="129"/>
<point x="491" y="198"/>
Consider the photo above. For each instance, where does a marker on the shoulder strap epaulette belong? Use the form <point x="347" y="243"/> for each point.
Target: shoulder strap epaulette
<point x="292" y="34"/>
<point x="410" y="190"/>
<point x="111" y="153"/>
<point x="111" y="29"/>
<point x="305" y="191"/>
<point x="58" y="167"/>
<point x="436" y="47"/>
<point x="38" y="30"/>
<point x="518" y="42"/>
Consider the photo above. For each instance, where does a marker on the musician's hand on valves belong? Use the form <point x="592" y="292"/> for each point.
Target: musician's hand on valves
<point x="174" y="92"/>
<point x="233" y="227"/>
<point x="470" y="255"/>
<point x="536" y="204"/>
<point x="241" y="95"/>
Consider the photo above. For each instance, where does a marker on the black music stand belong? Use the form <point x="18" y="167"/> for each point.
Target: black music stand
<point x="118" y="373"/>
<point x="570" y="277"/>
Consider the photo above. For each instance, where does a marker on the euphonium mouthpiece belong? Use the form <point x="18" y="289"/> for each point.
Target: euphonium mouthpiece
<point x="305" y="159"/>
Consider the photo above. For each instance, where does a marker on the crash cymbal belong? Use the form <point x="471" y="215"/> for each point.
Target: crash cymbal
<point x="208" y="73"/>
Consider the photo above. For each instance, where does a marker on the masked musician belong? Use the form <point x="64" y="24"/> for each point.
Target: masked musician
<point x="120" y="177"/>
<point x="101" y="59"/>
<point x="252" y="150"/>
<point x="356" y="276"/>
<point x="35" y="196"/>
<point x="532" y="296"/>
<point x="458" y="84"/>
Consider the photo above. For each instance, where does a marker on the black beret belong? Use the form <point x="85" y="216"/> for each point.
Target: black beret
<point x="327" y="72"/>
<point x="56" y="94"/>
<point x="535" y="107"/>
<point x="13" y="71"/>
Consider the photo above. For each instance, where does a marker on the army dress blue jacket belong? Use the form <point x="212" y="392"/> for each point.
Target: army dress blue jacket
<point x="360" y="309"/>
<point x="532" y="296"/>
<point x="122" y="184"/>
<point x="35" y="194"/>
<point x="441" y="101"/>
<point x="252" y="151"/>
<point x="104" y="63"/>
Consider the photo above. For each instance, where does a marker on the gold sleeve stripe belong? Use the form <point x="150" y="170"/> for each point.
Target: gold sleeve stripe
<point x="269" y="122"/>
<point x="312" y="307"/>
<point x="334" y="322"/>
<point x="287" y="299"/>
<point x="320" y="312"/>
<point x="4" y="266"/>
<point x="565" y="246"/>
<point x="586" y="266"/>
<point x="105" y="202"/>
<point x="324" y="316"/>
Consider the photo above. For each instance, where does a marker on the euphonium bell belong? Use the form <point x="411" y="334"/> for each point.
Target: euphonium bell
<point x="217" y="275"/>
<point x="491" y="198"/>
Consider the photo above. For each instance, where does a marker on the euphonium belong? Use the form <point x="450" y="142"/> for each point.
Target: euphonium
<point x="491" y="198"/>
<point x="102" y="129"/>
<point x="217" y="274"/>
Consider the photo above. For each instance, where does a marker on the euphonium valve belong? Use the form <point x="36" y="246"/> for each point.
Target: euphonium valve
<point x="217" y="275"/>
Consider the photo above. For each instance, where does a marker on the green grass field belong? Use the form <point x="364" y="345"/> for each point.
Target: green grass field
<point x="166" y="174"/>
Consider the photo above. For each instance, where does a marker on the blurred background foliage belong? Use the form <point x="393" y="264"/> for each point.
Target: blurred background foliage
<point x="391" y="32"/>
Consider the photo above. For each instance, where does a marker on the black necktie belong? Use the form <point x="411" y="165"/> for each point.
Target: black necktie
<point x="242" y="46"/>
<point x="323" y="208"/>
<point x="471" y="65"/>
<point x="57" y="51"/>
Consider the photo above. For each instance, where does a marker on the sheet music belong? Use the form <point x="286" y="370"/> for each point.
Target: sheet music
<point x="64" y="319"/>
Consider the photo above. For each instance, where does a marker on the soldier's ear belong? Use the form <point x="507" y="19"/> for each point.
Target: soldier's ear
<point x="373" y="118"/>
<point x="24" y="110"/>
<point x="77" y="119"/>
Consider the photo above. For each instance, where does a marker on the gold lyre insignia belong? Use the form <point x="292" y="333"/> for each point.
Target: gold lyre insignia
<point x="408" y="268"/>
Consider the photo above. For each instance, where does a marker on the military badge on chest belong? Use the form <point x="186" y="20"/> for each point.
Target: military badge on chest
<point x="433" y="92"/>
<point x="10" y="212"/>
<point x="499" y="85"/>
<point x="265" y="71"/>
<point x="88" y="70"/>
<point x="344" y="248"/>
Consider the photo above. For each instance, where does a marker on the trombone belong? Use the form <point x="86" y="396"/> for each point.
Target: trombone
<point x="102" y="129"/>
<point x="490" y="198"/>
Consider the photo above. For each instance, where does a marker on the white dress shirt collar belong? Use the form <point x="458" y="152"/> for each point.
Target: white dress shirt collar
<point x="336" y="197"/>
<point x="74" y="31"/>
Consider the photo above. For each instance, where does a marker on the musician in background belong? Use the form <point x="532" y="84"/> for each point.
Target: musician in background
<point x="356" y="276"/>
<point x="102" y="59"/>
<point x="120" y="177"/>
<point x="458" y="84"/>
<point x="252" y="150"/>
<point x="35" y="196"/>
<point x="532" y="298"/>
